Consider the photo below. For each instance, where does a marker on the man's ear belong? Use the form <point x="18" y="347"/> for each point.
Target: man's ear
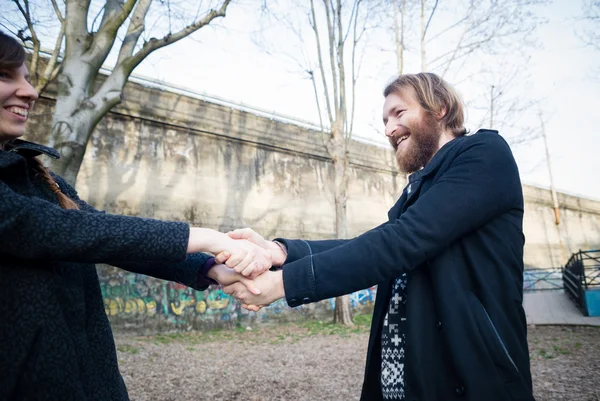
<point x="441" y="114"/>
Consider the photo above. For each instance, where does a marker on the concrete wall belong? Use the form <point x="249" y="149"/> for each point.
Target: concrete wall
<point x="163" y="155"/>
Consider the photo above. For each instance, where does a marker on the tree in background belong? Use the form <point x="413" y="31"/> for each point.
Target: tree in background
<point x="91" y="31"/>
<point x="483" y="44"/>
<point x="330" y="38"/>
<point x="591" y="17"/>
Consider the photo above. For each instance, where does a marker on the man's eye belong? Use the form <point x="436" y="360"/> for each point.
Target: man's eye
<point x="4" y="74"/>
<point x="399" y="112"/>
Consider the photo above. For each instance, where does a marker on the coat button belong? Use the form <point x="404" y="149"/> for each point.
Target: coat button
<point x="306" y="299"/>
<point x="460" y="390"/>
<point x="439" y="325"/>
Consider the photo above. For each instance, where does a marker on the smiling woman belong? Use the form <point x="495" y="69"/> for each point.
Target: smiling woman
<point x="55" y="339"/>
<point x="16" y="93"/>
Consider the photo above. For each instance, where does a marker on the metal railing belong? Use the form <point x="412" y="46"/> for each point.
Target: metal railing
<point x="543" y="279"/>
<point x="582" y="273"/>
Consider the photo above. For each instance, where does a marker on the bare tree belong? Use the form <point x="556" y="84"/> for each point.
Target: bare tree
<point x="591" y="18"/>
<point x="453" y="32"/>
<point x="331" y="36"/>
<point x="339" y="104"/>
<point x="399" y="29"/>
<point x="425" y="22"/>
<point x="89" y="36"/>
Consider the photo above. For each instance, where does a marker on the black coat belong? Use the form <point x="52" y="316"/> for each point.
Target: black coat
<point x="457" y="231"/>
<point x="55" y="339"/>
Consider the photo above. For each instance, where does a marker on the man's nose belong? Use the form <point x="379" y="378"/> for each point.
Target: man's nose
<point x="390" y="129"/>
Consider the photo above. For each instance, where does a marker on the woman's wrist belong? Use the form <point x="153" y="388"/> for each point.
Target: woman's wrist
<point x="205" y="240"/>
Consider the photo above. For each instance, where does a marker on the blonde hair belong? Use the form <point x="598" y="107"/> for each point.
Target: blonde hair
<point x="435" y="96"/>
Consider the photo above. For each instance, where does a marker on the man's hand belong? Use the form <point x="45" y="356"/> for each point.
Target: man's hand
<point x="278" y="253"/>
<point x="226" y="277"/>
<point x="244" y="256"/>
<point x="270" y="285"/>
<point x="247" y="258"/>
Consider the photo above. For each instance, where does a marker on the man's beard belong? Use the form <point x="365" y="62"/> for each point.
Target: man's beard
<point x="423" y="144"/>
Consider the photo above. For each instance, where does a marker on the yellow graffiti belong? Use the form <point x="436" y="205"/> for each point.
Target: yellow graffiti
<point x="201" y="307"/>
<point x="218" y="303"/>
<point x="113" y="307"/>
<point x="151" y="308"/>
<point x="178" y="309"/>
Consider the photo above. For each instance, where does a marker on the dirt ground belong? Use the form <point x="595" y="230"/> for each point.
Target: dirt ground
<point x="319" y="361"/>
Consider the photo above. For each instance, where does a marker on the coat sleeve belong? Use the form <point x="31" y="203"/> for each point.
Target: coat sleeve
<point x="299" y="248"/>
<point x="188" y="272"/>
<point x="480" y="184"/>
<point x="32" y="228"/>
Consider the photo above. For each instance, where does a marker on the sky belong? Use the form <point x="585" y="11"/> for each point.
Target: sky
<point x="226" y="61"/>
<point x="558" y="72"/>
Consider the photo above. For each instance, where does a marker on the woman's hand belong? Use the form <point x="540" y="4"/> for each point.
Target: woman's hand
<point x="243" y="256"/>
<point x="277" y="251"/>
<point x="226" y="277"/>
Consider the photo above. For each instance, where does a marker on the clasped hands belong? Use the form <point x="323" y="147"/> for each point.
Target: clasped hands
<point x="242" y="262"/>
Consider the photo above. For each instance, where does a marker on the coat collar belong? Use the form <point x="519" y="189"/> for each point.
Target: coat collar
<point x="439" y="157"/>
<point x="18" y="150"/>
<point x="30" y="149"/>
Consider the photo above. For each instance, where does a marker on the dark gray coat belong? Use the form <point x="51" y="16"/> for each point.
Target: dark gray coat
<point x="55" y="339"/>
<point x="457" y="231"/>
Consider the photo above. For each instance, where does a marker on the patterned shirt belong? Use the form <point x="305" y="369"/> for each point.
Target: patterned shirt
<point x="393" y="341"/>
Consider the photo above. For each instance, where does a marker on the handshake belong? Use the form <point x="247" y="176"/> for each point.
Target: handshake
<point x="242" y="262"/>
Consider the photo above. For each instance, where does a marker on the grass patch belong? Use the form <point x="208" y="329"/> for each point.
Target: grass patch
<point x="127" y="349"/>
<point x="289" y="332"/>
<point x="319" y="327"/>
<point x="545" y="354"/>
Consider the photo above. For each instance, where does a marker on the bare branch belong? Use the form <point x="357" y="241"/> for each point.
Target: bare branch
<point x="456" y="49"/>
<point x="449" y="28"/>
<point x="312" y="78"/>
<point x="342" y="70"/>
<point x="59" y="15"/>
<point x="331" y="46"/>
<point x="321" y="64"/>
<point x="76" y="34"/>
<point x="26" y="12"/>
<point x="134" y="30"/>
<point x="154" y="44"/>
<point x="114" y="16"/>
<point x="430" y="17"/>
<point x="52" y="68"/>
<point x="355" y="39"/>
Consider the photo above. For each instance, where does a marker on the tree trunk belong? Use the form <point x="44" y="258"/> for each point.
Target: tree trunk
<point x="399" y="34"/>
<point x="76" y="114"/>
<point x="71" y="130"/>
<point x="423" y="49"/>
<point x="338" y="150"/>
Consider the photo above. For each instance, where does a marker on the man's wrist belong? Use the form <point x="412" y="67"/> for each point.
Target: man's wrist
<point x="279" y="288"/>
<point x="279" y="253"/>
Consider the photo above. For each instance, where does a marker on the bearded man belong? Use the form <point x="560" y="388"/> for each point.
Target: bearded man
<point x="448" y="321"/>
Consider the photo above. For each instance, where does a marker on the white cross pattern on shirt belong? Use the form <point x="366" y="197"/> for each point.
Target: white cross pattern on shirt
<point x="396" y="340"/>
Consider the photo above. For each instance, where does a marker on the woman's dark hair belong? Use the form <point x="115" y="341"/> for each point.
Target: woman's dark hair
<point x="12" y="55"/>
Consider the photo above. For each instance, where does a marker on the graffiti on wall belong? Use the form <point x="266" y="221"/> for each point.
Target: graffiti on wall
<point x="135" y="295"/>
<point x="359" y="298"/>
